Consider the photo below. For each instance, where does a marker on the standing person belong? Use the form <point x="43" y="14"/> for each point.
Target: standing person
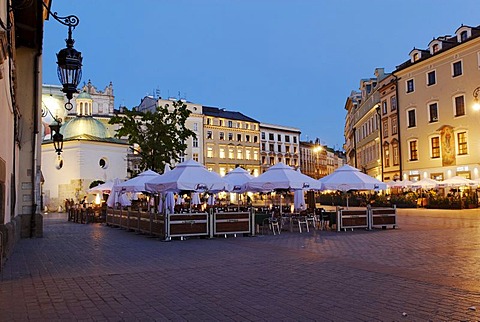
<point x="84" y="202"/>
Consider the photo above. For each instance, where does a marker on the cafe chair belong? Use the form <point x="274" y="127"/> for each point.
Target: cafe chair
<point x="303" y="221"/>
<point x="273" y="223"/>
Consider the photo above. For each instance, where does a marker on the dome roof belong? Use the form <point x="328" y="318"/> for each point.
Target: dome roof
<point x="84" y="125"/>
<point x="84" y="95"/>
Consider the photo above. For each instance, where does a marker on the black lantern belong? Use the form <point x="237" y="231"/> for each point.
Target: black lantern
<point x="69" y="69"/>
<point x="57" y="137"/>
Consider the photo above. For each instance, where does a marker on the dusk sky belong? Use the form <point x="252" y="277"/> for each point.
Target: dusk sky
<point x="286" y="62"/>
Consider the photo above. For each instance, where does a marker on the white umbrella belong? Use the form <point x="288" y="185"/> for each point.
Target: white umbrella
<point x="238" y="177"/>
<point x="211" y="200"/>
<point x="299" y="200"/>
<point x="195" y="199"/>
<point x="116" y="196"/>
<point x="179" y="200"/>
<point x="399" y="184"/>
<point x="457" y="181"/>
<point x="137" y="184"/>
<point x="349" y="178"/>
<point x="425" y="183"/>
<point x="281" y="176"/>
<point x="190" y="176"/>
<point x="167" y="199"/>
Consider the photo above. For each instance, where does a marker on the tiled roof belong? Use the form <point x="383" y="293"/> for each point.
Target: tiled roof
<point x="231" y="115"/>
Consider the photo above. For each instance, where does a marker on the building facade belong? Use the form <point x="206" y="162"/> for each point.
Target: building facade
<point x="313" y="159"/>
<point x="438" y="125"/>
<point x="231" y="139"/>
<point x="279" y="144"/>
<point x="362" y="126"/>
<point x="389" y="130"/>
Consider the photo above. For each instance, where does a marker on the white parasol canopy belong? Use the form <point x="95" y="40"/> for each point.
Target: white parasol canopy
<point x="238" y="177"/>
<point x="349" y="178"/>
<point x="457" y="181"/>
<point x="116" y="196"/>
<point x="281" y="176"/>
<point x="299" y="200"/>
<point x="399" y="184"/>
<point x="190" y="176"/>
<point x="425" y="183"/>
<point x="167" y="200"/>
<point x="137" y="184"/>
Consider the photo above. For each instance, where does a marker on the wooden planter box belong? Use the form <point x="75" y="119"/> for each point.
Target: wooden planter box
<point x="231" y="223"/>
<point x="183" y="225"/>
<point x="350" y="219"/>
<point x="383" y="218"/>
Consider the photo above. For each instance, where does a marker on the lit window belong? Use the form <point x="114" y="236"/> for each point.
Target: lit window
<point x="209" y="152"/>
<point x="435" y="143"/>
<point x="462" y="143"/>
<point x="255" y="155"/>
<point x="386" y="155"/>
<point x="247" y="154"/>
<point x="413" y="145"/>
<point x="230" y="153"/>
<point x="239" y="154"/>
<point x="221" y="154"/>
<point x="195" y="156"/>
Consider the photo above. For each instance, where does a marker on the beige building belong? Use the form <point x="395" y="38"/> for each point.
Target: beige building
<point x="20" y="126"/>
<point x="439" y="128"/>
<point x="231" y="139"/>
<point x="279" y="144"/>
<point x="313" y="159"/>
<point x="362" y="126"/>
<point x="389" y="133"/>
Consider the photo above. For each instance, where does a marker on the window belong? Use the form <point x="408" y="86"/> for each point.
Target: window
<point x="221" y="154"/>
<point x="410" y="86"/>
<point x="255" y="155"/>
<point x="209" y="121"/>
<point x="435" y="146"/>
<point x="287" y="138"/>
<point x="287" y="149"/>
<point x="462" y="143"/>
<point x="239" y="125"/>
<point x="279" y="148"/>
<point x="230" y="136"/>
<point x="230" y="153"/>
<point x="294" y="149"/>
<point x="247" y="126"/>
<point x="386" y="155"/>
<point x="220" y="122"/>
<point x="396" y="158"/>
<point x="393" y="103"/>
<point x="412" y="122"/>
<point x="270" y="136"/>
<point x="463" y="35"/>
<point x="394" y="125"/>
<point x="195" y="143"/>
<point x="294" y="139"/>
<point x="195" y="156"/>
<point x="279" y="137"/>
<point x="459" y="105"/>
<point x="263" y="146"/>
<point x="385" y="128"/>
<point x="248" y="154"/>
<point x="195" y="126"/>
<point x="255" y="139"/>
<point x="103" y="163"/>
<point x="270" y="147"/>
<point x="209" y="134"/>
<point x="433" y="112"/>
<point x="230" y="124"/>
<point x="247" y="138"/>
<point x="239" y="154"/>
<point x="209" y="152"/>
<point x="435" y="48"/>
<point x="222" y="136"/>
<point x="457" y="68"/>
<point x="239" y="137"/>
<point x="413" y="149"/>
<point x="431" y="78"/>
<point x="263" y="135"/>
<point x="264" y="160"/>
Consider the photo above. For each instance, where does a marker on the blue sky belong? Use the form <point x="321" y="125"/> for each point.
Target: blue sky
<point x="285" y="62"/>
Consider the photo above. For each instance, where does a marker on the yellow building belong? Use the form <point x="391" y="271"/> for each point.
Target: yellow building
<point x="230" y="139"/>
<point x="439" y="129"/>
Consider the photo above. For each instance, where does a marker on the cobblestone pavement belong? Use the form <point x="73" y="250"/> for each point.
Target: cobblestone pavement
<point x="427" y="270"/>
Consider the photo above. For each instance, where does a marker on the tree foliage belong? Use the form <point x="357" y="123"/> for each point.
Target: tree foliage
<point x="158" y="138"/>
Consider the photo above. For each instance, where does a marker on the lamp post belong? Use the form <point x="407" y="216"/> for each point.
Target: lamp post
<point x="69" y="60"/>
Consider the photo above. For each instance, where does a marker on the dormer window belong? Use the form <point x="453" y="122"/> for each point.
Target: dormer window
<point x="463" y="33"/>
<point x="415" y="55"/>
<point x="435" y="46"/>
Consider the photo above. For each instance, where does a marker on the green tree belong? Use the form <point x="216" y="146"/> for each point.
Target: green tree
<point x="158" y="138"/>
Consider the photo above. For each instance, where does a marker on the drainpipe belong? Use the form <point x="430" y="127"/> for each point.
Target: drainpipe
<point x="355" y="145"/>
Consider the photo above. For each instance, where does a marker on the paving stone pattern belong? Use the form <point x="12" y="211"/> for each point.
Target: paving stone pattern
<point x="427" y="270"/>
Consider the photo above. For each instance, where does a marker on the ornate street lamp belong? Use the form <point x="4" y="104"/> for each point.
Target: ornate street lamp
<point x="69" y="60"/>
<point x="57" y="137"/>
<point x="476" y="103"/>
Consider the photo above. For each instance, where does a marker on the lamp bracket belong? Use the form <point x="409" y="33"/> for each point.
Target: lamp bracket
<point x="476" y="91"/>
<point x="70" y="21"/>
